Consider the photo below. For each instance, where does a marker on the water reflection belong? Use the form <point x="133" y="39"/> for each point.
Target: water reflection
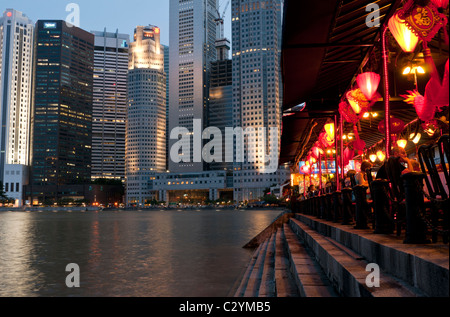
<point x="132" y="253"/>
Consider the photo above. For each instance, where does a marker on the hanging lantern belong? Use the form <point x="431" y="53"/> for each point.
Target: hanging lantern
<point x="397" y="126"/>
<point x="368" y="84"/>
<point x="347" y="112"/>
<point x="329" y="129"/>
<point x="373" y="158"/>
<point x="358" y="101"/>
<point x="440" y="4"/>
<point x="316" y="151"/>
<point x="402" y="143"/>
<point x="402" y="34"/>
<point x="381" y="156"/>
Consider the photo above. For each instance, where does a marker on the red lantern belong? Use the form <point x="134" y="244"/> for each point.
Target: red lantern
<point x="359" y="102"/>
<point x="440" y="3"/>
<point x="368" y="83"/>
<point x="316" y="151"/>
<point x="347" y="113"/>
<point x="397" y="126"/>
<point x="402" y="34"/>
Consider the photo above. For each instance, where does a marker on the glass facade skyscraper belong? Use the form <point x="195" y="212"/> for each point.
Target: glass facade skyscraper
<point x="62" y="108"/>
<point x="192" y="49"/>
<point x="256" y="38"/>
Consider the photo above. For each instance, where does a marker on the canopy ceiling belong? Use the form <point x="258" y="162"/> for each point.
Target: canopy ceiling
<point x="324" y="48"/>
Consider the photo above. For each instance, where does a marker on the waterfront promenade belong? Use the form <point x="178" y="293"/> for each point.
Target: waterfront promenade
<point x="303" y="256"/>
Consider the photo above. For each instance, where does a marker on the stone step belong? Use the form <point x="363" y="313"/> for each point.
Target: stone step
<point x="423" y="268"/>
<point x="306" y="273"/>
<point x="346" y="272"/>
<point x="245" y="278"/>
<point x="285" y="283"/>
<point x="267" y="286"/>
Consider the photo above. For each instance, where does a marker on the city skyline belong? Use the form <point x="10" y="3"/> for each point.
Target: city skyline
<point x="112" y="14"/>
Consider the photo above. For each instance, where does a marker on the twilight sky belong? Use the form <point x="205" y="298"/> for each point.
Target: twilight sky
<point x="95" y="15"/>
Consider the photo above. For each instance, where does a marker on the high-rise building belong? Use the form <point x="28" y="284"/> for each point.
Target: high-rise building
<point x="16" y="62"/>
<point x="256" y="38"/>
<point x="146" y="115"/>
<point x="110" y="105"/>
<point x="62" y="110"/>
<point x="220" y="110"/>
<point x="166" y="70"/>
<point x="192" y="49"/>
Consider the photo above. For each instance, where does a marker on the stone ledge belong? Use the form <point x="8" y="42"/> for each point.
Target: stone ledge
<point x="422" y="266"/>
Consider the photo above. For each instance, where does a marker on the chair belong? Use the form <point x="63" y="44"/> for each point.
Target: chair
<point x="438" y="198"/>
<point x="396" y="192"/>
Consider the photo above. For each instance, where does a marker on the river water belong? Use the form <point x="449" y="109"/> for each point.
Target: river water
<point x="151" y="253"/>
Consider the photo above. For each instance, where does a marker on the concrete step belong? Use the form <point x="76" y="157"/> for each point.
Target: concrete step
<point x="307" y="274"/>
<point x="285" y="283"/>
<point x="423" y="268"/>
<point x="346" y="270"/>
<point x="267" y="286"/>
<point x="248" y="272"/>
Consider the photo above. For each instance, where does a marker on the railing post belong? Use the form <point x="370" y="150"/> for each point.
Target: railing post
<point x="361" y="206"/>
<point x="381" y="207"/>
<point x="328" y="211"/>
<point x="337" y="205"/>
<point x="414" y="200"/>
<point x="347" y="205"/>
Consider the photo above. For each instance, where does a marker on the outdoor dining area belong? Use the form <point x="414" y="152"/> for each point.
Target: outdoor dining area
<point x="366" y="115"/>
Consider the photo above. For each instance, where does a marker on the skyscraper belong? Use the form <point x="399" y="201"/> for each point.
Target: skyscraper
<point x="110" y="105"/>
<point x="220" y="110"/>
<point x="16" y="61"/>
<point x="62" y="110"/>
<point x="192" y="49"/>
<point x="146" y="115"/>
<point x="256" y="29"/>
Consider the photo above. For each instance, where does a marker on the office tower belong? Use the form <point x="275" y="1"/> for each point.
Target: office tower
<point x="256" y="29"/>
<point x="16" y="61"/>
<point x="110" y="105"/>
<point x="192" y="49"/>
<point x="166" y="70"/>
<point x="146" y="115"/>
<point x="220" y="110"/>
<point x="62" y="110"/>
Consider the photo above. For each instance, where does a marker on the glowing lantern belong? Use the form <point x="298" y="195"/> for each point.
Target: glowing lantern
<point x="368" y="84"/>
<point x="415" y="138"/>
<point x="402" y="34"/>
<point x="440" y="3"/>
<point x="316" y="151"/>
<point x="397" y="126"/>
<point x="358" y="101"/>
<point x="402" y="143"/>
<point x="329" y="129"/>
<point x="381" y="156"/>
<point x="373" y="158"/>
